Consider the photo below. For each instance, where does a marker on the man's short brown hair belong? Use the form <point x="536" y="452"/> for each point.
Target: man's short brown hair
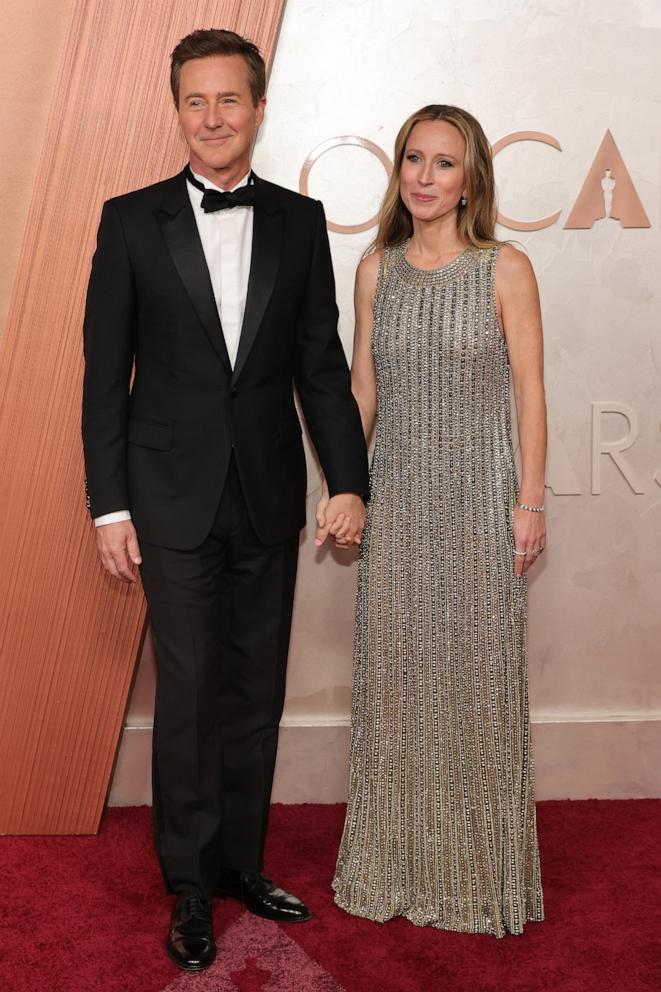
<point x="200" y="44"/>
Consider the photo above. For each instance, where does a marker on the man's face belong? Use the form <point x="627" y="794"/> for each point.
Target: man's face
<point x="217" y="116"/>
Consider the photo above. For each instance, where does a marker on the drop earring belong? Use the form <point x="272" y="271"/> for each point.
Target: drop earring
<point x="463" y="201"/>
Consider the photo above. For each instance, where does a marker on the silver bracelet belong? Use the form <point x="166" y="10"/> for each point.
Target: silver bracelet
<point x="531" y="509"/>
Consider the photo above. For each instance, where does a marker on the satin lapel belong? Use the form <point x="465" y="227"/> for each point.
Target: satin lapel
<point x="182" y="238"/>
<point x="264" y="262"/>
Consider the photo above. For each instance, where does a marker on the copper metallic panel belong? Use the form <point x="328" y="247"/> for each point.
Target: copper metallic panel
<point x="69" y="636"/>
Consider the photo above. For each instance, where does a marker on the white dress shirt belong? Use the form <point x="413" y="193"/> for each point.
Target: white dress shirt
<point x="226" y="237"/>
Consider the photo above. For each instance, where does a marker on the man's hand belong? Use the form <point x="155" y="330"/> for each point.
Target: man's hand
<point x="343" y="517"/>
<point x="118" y="547"/>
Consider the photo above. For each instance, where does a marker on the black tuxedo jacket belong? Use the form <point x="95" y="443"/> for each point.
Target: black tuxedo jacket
<point x="161" y="446"/>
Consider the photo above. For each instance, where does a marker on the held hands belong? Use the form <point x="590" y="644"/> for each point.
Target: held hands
<point x="342" y="516"/>
<point x="118" y="547"/>
<point x="529" y="539"/>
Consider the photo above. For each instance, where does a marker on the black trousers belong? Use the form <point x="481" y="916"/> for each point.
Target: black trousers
<point x="221" y="617"/>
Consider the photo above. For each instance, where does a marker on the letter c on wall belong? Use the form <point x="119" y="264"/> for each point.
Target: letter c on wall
<point x="325" y="146"/>
<point x="510" y="139"/>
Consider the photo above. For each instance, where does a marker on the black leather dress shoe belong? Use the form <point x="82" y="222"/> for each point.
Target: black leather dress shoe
<point x="262" y="897"/>
<point x="190" y="943"/>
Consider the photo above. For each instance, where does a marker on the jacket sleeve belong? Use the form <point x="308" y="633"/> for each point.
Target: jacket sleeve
<point x="109" y="332"/>
<point x="323" y="380"/>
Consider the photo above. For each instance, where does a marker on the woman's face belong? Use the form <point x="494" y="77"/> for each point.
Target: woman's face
<point x="432" y="177"/>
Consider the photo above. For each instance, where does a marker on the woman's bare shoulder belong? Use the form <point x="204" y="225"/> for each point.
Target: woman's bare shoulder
<point x="513" y="265"/>
<point x="369" y="264"/>
<point x="367" y="272"/>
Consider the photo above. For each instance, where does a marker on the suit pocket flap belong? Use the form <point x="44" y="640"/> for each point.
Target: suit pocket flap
<point x="150" y="434"/>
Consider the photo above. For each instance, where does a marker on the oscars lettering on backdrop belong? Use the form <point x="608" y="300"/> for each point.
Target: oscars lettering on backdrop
<point x="562" y="477"/>
<point x="511" y="139"/>
<point x="326" y="146"/>
<point x="608" y="174"/>
<point x="590" y="205"/>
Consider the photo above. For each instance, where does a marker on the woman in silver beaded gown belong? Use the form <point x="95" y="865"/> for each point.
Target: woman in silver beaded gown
<point x="440" y="825"/>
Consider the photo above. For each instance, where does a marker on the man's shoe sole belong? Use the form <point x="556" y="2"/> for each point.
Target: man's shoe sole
<point x="187" y="967"/>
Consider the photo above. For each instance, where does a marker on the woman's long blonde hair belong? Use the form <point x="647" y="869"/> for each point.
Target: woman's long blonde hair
<point x="476" y="221"/>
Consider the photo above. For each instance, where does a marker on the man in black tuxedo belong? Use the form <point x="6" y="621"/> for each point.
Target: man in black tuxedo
<point x="217" y="288"/>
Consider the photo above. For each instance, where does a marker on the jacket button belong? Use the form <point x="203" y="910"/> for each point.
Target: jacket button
<point x="234" y="393"/>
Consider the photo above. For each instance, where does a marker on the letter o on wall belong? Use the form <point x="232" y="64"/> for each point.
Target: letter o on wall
<point x="510" y="139"/>
<point x="325" y="146"/>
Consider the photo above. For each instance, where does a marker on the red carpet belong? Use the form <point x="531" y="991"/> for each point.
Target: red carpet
<point x="83" y="914"/>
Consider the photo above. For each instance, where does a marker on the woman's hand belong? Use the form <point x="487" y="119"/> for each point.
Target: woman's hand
<point x="322" y="505"/>
<point x="342" y="517"/>
<point x="529" y="538"/>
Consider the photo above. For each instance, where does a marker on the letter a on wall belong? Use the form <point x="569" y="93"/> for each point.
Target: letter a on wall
<point x="608" y="192"/>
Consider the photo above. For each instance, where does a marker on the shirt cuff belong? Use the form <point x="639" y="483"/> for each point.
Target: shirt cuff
<point x="112" y="518"/>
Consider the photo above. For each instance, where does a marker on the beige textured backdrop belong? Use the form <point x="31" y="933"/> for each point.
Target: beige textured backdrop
<point x="595" y="618"/>
<point x="595" y="623"/>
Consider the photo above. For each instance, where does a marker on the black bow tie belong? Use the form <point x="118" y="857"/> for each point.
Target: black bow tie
<point x="214" y="200"/>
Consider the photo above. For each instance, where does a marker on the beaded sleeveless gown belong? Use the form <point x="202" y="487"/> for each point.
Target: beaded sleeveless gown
<point x="440" y="825"/>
